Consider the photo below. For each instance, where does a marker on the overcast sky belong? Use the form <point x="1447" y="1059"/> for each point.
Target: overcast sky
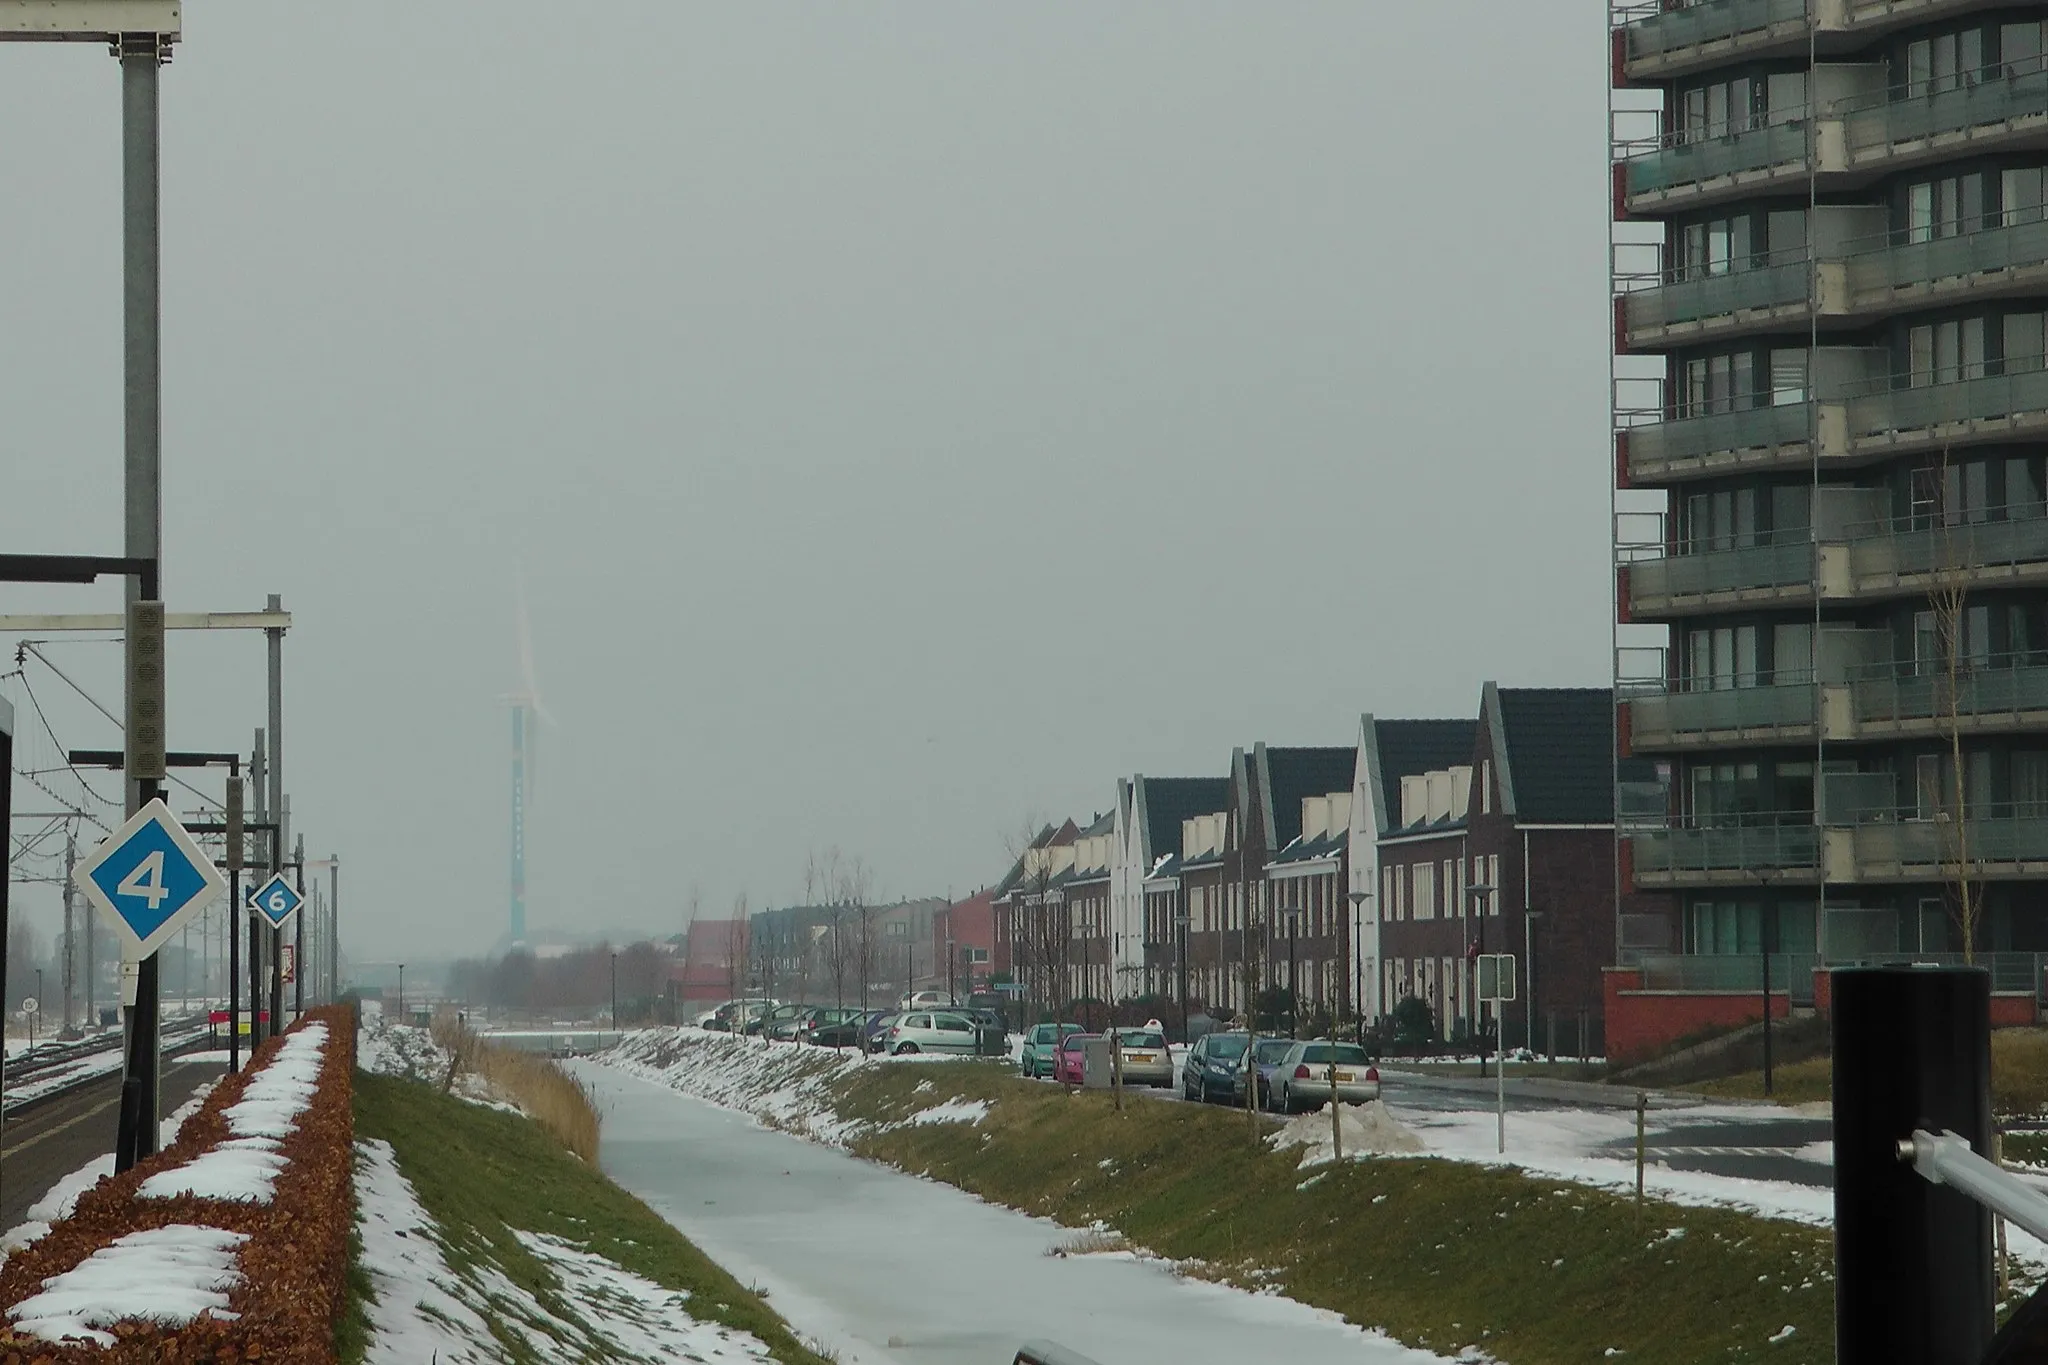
<point x="907" y="416"/>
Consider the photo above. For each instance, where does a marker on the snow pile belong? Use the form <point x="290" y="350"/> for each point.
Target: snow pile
<point x="246" y="1166"/>
<point x="168" y="1275"/>
<point x="952" y="1111"/>
<point x="389" y="1049"/>
<point x="425" y="1309"/>
<point x="784" y="1084"/>
<point x="1367" y="1129"/>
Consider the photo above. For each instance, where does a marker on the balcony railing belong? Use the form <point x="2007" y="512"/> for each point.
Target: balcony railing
<point x="1906" y="549"/>
<point x="1913" y="414"/>
<point x="1764" y="848"/>
<point x="1997" y="244"/>
<point x="1749" y="568"/>
<point x="1686" y="158"/>
<point x="1660" y="719"/>
<point x="1718" y="21"/>
<point x="1694" y="298"/>
<point x="1656" y="440"/>
<point x="1906" y="846"/>
<point x="2004" y="685"/>
<point x="1981" y="99"/>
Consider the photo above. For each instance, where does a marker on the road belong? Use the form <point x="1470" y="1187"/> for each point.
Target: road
<point x="49" y="1139"/>
<point x="891" y="1270"/>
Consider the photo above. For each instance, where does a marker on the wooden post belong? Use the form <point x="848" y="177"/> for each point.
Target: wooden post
<point x="1642" y="1110"/>
<point x="1336" y="1116"/>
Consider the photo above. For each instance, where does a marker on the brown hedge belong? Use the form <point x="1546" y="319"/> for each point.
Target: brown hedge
<point x="294" y="1266"/>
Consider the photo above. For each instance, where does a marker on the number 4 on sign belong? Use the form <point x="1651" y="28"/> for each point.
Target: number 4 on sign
<point x="147" y="880"/>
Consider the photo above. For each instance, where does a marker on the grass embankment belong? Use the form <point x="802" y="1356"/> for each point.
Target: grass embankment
<point x="543" y="1091"/>
<point x="480" y="1173"/>
<point x="2019" y="1077"/>
<point x="1441" y="1254"/>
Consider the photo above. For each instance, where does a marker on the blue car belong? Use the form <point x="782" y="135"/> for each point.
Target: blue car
<point x="1214" y="1070"/>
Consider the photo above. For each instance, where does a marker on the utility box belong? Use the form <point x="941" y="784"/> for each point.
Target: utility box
<point x="1095" y="1065"/>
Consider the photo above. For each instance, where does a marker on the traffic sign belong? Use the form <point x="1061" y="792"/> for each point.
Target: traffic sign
<point x="29" y="1006"/>
<point x="291" y="963"/>
<point x="1497" y="976"/>
<point x="276" y="901"/>
<point x="148" y="879"/>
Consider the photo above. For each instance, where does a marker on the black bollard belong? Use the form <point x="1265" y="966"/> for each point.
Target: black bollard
<point x="1915" y="1281"/>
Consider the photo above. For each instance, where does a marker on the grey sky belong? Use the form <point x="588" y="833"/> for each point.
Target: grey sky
<point x="909" y="416"/>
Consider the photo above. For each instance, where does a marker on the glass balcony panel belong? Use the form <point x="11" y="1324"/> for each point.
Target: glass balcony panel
<point x="1929" y="843"/>
<point x="1903" y="552"/>
<point x="1985" y="399"/>
<point x="1984" y="691"/>
<point x="1685" y="163"/>
<point x="1712" y="296"/>
<point x="1716" y="21"/>
<point x="1993" y="97"/>
<point x="1749" y="428"/>
<point x="1733" y="708"/>
<point x="1736" y="848"/>
<point x="1973" y="253"/>
<point x="1753" y="566"/>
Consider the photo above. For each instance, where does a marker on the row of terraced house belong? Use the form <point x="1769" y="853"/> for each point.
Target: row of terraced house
<point x="1344" y="878"/>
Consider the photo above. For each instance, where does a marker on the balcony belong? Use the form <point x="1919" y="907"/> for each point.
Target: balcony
<point x="1860" y="279"/>
<point x="1662" y="41"/>
<point x="2001" y="847"/>
<point x="2003" y="694"/>
<point x="1682" y="170"/>
<point x="2000" y="108"/>
<point x="1891" y="420"/>
<point x="1662" y="448"/>
<point x="1735" y="854"/>
<point x="1776" y="713"/>
<point x="1910" y="556"/>
<point x="1715" y="580"/>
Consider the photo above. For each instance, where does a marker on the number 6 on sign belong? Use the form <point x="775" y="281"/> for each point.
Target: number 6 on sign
<point x="276" y="901"/>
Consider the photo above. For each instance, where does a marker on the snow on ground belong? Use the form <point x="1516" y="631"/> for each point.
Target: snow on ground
<point x="952" y="1111"/>
<point x="1367" y="1129"/>
<point x="245" y="1166"/>
<point x="169" y="1275"/>
<point x="388" y="1049"/>
<point x="423" y="1309"/>
<point x="61" y="1198"/>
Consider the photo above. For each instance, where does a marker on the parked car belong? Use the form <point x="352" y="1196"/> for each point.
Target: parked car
<point x="833" y="1026"/>
<point x="1041" y="1041"/>
<point x="1302" y="1079"/>
<point x="1069" y="1058"/>
<point x="1214" y="1070"/>
<point x="925" y="1000"/>
<point x="734" y="1015"/>
<point x="1266" y="1055"/>
<point x="1145" y="1058"/>
<point x="874" y="1034"/>
<point x="777" y="1022"/>
<point x="935" y="1032"/>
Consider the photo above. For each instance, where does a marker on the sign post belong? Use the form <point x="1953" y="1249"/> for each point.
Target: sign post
<point x="1497" y="984"/>
<point x="276" y="904"/>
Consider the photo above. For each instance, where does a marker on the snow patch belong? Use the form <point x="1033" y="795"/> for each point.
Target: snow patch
<point x="1367" y="1130"/>
<point x="168" y="1275"/>
<point x="246" y="1165"/>
<point x="952" y="1111"/>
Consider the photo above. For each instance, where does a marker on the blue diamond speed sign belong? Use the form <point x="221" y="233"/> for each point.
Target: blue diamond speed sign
<point x="275" y="901"/>
<point x="149" y="879"/>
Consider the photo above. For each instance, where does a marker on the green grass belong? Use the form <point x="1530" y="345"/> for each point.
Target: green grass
<point x="481" y="1172"/>
<point x="2019" y="1077"/>
<point x="2028" y="1148"/>
<point x="352" y="1328"/>
<point x="1440" y="1254"/>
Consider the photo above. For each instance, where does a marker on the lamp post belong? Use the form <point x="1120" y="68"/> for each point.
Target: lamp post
<point x="1529" y="918"/>
<point x="1358" y="903"/>
<point x="951" y="997"/>
<point x="32" y="1013"/>
<point x="401" y="991"/>
<point x="1293" y="913"/>
<point x="1180" y="933"/>
<point x="1477" y="894"/>
<point x="615" y="992"/>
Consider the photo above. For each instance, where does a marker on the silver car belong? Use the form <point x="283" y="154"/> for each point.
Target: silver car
<point x="1146" y="1058"/>
<point x="920" y="1032"/>
<point x="1302" y="1080"/>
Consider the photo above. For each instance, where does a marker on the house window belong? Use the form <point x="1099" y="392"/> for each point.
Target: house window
<point x="2020" y="195"/>
<point x="1944" y="352"/>
<point x="1425" y="890"/>
<point x="1946" y="61"/>
<point x="1486" y="786"/>
<point x="1493" y="877"/>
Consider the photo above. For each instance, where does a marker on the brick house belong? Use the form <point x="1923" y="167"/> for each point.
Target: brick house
<point x="1028" y="947"/>
<point x="1155" y="810"/>
<point x="1303" y="813"/>
<point x="1084" y="891"/>
<point x="1529" y="815"/>
<point x="963" y="943"/>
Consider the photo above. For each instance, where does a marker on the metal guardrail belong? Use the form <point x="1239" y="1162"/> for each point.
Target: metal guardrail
<point x="1946" y="1159"/>
<point x="1048" y="1353"/>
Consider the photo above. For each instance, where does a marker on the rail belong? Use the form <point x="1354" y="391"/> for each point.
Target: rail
<point x="43" y="1061"/>
<point x="1946" y="1159"/>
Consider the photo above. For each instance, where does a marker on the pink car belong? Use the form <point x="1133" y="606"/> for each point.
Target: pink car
<point x="1066" y="1063"/>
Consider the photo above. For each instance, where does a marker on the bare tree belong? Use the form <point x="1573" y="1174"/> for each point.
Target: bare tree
<point x="853" y="891"/>
<point x="1948" y="600"/>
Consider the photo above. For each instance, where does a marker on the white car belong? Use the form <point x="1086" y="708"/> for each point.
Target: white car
<point x="919" y="1032"/>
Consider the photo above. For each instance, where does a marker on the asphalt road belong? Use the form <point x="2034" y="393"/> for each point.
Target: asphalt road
<point x="49" y="1139"/>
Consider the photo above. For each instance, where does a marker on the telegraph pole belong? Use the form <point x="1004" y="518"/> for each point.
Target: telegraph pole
<point x="259" y="781"/>
<point x="284" y="820"/>
<point x="236" y="852"/>
<point x="334" y="928"/>
<point x="299" y="929"/>
<point x="70" y="947"/>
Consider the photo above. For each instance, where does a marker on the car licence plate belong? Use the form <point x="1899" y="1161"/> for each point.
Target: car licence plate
<point x="1348" y="1078"/>
<point x="1139" y="1057"/>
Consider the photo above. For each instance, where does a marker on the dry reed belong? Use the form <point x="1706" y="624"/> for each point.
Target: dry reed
<point x="544" y="1092"/>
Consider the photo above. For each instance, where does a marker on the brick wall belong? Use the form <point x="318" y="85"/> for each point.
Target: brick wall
<point x="1642" y="1023"/>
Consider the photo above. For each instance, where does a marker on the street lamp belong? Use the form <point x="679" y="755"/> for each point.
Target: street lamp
<point x="1293" y="913"/>
<point x="1358" y="900"/>
<point x="1180" y="926"/>
<point x="1529" y="918"/>
<point x="615" y="992"/>
<point x="401" y="991"/>
<point x="39" y="1006"/>
<point x="1477" y="894"/>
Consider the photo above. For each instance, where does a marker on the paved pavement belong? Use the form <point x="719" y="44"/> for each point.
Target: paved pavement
<point x="48" y="1140"/>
